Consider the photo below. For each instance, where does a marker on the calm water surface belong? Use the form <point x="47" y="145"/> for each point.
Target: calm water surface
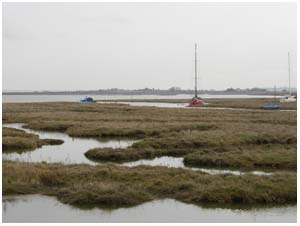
<point x="76" y="98"/>
<point x="71" y="151"/>
<point x="177" y="162"/>
<point x="38" y="208"/>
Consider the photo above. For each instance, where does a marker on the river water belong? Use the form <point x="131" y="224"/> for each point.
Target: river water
<point x="37" y="208"/>
<point x="76" y="98"/>
<point x="99" y="98"/>
<point x="70" y="152"/>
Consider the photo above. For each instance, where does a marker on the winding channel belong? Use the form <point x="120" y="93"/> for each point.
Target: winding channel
<point x="73" y="149"/>
<point x="70" y="152"/>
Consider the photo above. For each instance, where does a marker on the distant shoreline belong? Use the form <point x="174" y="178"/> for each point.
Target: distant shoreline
<point x="151" y="92"/>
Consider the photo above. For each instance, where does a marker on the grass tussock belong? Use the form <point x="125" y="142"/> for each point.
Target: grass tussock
<point x="116" y="186"/>
<point x="18" y="143"/>
<point x="14" y="140"/>
<point x="50" y="142"/>
<point x="131" y="154"/>
<point x="248" y="158"/>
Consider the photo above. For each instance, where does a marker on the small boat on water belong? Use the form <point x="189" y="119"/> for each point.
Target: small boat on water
<point x="272" y="106"/>
<point x="88" y="100"/>
<point x="196" y="101"/>
<point x="287" y="99"/>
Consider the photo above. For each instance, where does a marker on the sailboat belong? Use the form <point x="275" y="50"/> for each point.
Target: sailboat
<point x="196" y="100"/>
<point x="289" y="98"/>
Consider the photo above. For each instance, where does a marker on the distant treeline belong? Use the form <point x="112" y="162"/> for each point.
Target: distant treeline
<point x="147" y="91"/>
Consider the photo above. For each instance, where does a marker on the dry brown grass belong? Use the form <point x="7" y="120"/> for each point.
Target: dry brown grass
<point x="100" y="120"/>
<point x="172" y="132"/>
<point x="14" y="140"/>
<point x="116" y="186"/>
<point x="246" y="158"/>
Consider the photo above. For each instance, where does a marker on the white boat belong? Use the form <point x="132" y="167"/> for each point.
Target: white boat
<point x="286" y="99"/>
<point x="289" y="98"/>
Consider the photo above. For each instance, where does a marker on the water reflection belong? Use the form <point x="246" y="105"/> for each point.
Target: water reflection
<point x="38" y="208"/>
<point x="178" y="163"/>
<point x="70" y="152"/>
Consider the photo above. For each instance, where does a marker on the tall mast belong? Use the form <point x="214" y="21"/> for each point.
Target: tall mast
<point x="275" y="93"/>
<point x="196" y="70"/>
<point x="289" y="74"/>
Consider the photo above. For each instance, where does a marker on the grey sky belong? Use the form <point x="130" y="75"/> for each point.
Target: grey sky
<point x="72" y="46"/>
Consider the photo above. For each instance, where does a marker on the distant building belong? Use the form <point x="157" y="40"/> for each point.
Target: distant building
<point x="175" y="88"/>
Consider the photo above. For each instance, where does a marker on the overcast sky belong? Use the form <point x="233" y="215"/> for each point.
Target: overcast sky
<point x="80" y="46"/>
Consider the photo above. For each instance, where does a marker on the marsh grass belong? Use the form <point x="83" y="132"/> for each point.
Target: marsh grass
<point x="212" y="148"/>
<point x="246" y="158"/>
<point x="167" y="132"/>
<point x="131" y="154"/>
<point x="118" y="186"/>
<point x="111" y="120"/>
<point x="14" y="140"/>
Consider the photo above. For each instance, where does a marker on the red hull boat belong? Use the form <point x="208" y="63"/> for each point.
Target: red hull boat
<point x="196" y="101"/>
